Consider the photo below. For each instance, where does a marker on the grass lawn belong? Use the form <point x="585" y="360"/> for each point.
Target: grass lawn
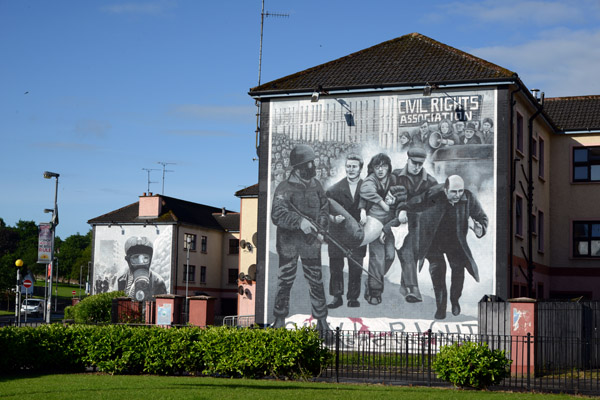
<point x="100" y="386"/>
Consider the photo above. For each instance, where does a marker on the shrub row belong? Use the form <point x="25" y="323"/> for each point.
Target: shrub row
<point x="93" y="309"/>
<point x="120" y="349"/>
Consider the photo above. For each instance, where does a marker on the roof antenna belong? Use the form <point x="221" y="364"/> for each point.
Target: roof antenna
<point x="164" y="165"/>
<point x="263" y="14"/>
<point x="149" y="181"/>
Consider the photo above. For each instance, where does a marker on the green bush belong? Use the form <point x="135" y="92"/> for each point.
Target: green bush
<point x="122" y="349"/>
<point x="93" y="309"/>
<point x="471" y="364"/>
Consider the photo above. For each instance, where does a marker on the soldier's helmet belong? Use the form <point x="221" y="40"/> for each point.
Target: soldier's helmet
<point x="138" y="245"/>
<point x="301" y="154"/>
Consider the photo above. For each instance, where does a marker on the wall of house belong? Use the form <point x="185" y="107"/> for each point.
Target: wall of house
<point x="541" y="160"/>
<point x="247" y="256"/>
<point x="571" y="201"/>
<point x="368" y="125"/>
<point x="109" y="264"/>
<point x="212" y="259"/>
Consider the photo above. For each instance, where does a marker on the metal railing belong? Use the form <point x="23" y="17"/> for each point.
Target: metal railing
<point x="243" y="321"/>
<point x="538" y="363"/>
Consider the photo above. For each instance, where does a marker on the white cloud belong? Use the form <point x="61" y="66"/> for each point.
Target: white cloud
<point x="66" y="146"/>
<point x="198" y="132"/>
<point x="558" y="62"/>
<point x="92" y="127"/>
<point x="540" y="13"/>
<point x="219" y="113"/>
<point x="148" y="8"/>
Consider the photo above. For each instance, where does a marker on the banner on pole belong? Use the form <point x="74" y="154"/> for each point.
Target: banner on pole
<point x="45" y="243"/>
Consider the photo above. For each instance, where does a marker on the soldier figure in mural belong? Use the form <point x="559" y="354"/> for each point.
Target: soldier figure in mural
<point x="296" y="202"/>
<point x="346" y="193"/>
<point x="416" y="180"/>
<point x="445" y="212"/>
<point x="139" y="282"/>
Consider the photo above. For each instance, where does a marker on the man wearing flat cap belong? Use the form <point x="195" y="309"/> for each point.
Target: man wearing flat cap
<point x="416" y="180"/>
<point x="469" y="136"/>
<point x="139" y="282"/>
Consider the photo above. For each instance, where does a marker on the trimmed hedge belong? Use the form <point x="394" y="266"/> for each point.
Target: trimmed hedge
<point x="121" y="349"/>
<point x="472" y="364"/>
<point x="93" y="309"/>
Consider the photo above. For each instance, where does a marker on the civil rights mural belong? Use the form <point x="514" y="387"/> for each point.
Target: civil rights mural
<point x="135" y="259"/>
<point x="381" y="211"/>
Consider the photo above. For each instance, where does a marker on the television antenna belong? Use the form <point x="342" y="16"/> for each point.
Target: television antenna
<point x="164" y="169"/>
<point x="263" y="14"/>
<point x="149" y="181"/>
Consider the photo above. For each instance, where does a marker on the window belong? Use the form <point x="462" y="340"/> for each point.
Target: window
<point x="203" y="244"/>
<point x="586" y="164"/>
<point x="192" y="239"/>
<point x="542" y="155"/>
<point x="234" y="246"/>
<point x="520" y="132"/>
<point x="533" y="224"/>
<point x="586" y="239"/>
<point x="540" y="231"/>
<point x="202" y="274"/>
<point x="534" y="148"/>
<point x="189" y="273"/>
<point x="232" y="276"/>
<point x="540" y="291"/>
<point x="519" y="215"/>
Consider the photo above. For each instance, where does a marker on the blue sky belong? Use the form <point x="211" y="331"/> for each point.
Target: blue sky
<point x="99" y="90"/>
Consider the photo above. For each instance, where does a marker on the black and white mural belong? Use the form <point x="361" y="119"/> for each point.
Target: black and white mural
<point x="381" y="211"/>
<point x="135" y="259"/>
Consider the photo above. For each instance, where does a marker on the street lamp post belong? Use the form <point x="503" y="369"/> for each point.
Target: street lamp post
<point x="50" y="175"/>
<point x="187" y="276"/>
<point x="18" y="264"/>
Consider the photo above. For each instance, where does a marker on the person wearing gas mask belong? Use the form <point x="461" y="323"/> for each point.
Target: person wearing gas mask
<point x="139" y="282"/>
<point x="299" y="205"/>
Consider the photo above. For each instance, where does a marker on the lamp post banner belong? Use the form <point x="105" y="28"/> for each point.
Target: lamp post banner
<point x="45" y="243"/>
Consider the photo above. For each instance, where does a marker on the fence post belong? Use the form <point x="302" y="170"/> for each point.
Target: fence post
<point x="337" y="354"/>
<point x="528" y="360"/>
<point x="429" y="357"/>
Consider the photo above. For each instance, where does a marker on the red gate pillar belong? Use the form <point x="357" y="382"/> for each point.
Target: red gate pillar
<point x="168" y="309"/>
<point x="202" y="310"/>
<point x="523" y="312"/>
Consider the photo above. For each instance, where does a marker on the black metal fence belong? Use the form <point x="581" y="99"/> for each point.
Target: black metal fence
<point x="407" y="358"/>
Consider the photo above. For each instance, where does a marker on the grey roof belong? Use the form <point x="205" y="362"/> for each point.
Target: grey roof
<point x="574" y="113"/>
<point x="230" y="222"/>
<point x="250" y="191"/>
<point x="412" y="59"/>
<point x="172" y="211"/>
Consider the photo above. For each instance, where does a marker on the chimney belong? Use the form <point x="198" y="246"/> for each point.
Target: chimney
<point x="149" y="206"/>
<point x="223" y="212"/>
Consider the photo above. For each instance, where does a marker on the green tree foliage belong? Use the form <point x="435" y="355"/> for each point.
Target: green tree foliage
<point x="21" y="242"/>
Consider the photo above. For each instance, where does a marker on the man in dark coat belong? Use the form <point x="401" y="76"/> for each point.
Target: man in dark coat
<point x="346" y="193"/>
<point x="296" y="202"/>
<point x="443" y="227"/>
<point x="415" y="179"/>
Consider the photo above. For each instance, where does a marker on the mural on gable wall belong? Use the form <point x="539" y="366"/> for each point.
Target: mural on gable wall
<point x="132" y="258"/>
<point x="381" y="211"/>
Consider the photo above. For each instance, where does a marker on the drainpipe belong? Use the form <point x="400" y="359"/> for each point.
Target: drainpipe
<point x="513" y="185"/>
<point x="530" y="265"/>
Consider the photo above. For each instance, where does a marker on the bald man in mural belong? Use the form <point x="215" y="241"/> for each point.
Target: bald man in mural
<point x="446" y="211"/>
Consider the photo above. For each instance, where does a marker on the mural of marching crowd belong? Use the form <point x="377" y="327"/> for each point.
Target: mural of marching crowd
<point x="387" y="235"/>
